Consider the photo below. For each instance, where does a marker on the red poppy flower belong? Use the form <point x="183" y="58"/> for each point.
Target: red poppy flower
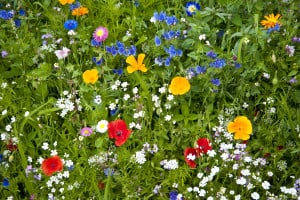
<point x="118" y="130"/>
<point x="203" y="146"/>
<point x="52" y="165"/>
<point x="190" y="154"/>
<point x="10" y="146"/>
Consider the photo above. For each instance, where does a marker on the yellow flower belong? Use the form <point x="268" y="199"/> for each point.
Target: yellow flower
<point x="80" y="11"/>
<point x="179" y="86"/>
<point x="90" y="76"/>
<point x="63" y="2"/>
<point x="241" y="127"/>
<point x="135" y="65"/>
<point x="270" y="21"/>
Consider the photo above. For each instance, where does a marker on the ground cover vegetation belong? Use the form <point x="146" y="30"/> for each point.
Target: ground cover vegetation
<point x="149" y="99"/>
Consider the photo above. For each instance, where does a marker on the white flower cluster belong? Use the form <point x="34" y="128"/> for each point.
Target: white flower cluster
<point x="169" y="164"/>
<point x="68" y="103"/>
<point x="167" y="105"/>
<point x="140" y="156"/>
<point x="101" y="158"/>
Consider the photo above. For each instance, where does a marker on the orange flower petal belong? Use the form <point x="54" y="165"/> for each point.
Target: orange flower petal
<point x="131" y="60"/>
<point x="141" y="57"/>
<point x="131" y="69"/>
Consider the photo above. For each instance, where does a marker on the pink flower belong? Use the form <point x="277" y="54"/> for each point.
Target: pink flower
<point x="61" y="54"/>
<point x="86" y="131"/>
<point x="100" y="34"/>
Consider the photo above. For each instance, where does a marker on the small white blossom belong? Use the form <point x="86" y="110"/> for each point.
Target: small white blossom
<point x="265" y="185"/>
<point x="202" y="37"/>
<point x="255" y="195"/>
<point x="26" y="114"/>
<point x="168" y="117"/>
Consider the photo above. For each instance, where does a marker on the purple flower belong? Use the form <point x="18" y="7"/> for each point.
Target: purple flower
<point x="290" y="50"/>
<point x="216" y="82"/>
<point x="218" y="63"/>
<point x="173" y="195"/>
<point x="4" y="53"/>
<point x="293" y="80"/>
<point x="86" y="131"/>
<point x="211" y="54"/>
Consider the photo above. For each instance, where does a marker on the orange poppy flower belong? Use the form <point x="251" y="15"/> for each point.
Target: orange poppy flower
<point x="64" y="2"/>
<point x="241" y="127"/>
<point x="80" y="11"/>
<point x="270" y="21"/>
<point x="136" y="64"/>
<point x="179" y="86"/>
<point x="90" y="76"/>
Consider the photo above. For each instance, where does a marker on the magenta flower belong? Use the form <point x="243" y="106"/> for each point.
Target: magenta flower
<point x="100" y="34"/>
<point x="86" y="131"/>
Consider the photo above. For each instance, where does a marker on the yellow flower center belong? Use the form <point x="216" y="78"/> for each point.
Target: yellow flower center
<point x="99" y="33"/>
<point x="192" y="8"/>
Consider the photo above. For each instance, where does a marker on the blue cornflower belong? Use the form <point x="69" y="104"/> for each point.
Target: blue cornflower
<point x="173" y="195"/>
<point x="171" y="20"/>
<point x="112" y="50"/>
<point x="157" y="41"/>
<point x="113" y="112"/>
<point x="237" y="65"/>
<point x="11" y="13"/>
<point x="211" y="54"/>
<point x="216" y="81"/>
<point x="191" y="8"/>
<point x="4" y="14"/>
<point x="132" y="50"/>
<point x="17" y="23"/>
<point x="74" y="5"/>
<point x="1" y="157"/>
<point x="22" y="12"/>
<point x="118" y="71"/>
<point x="160" y="17"/>
<point x="168" y="61"/>
<point x="120" y="44"/>
<point x="96" y="61"/>
<point x="121" y="51"/>
<point x="5" y="182"/>
<point x="173" y="52"/>
<point x="200" y="70"/>
<point x="218" y="63"/>
<point x="95" y="43"/>
<point x="70" y="24"/>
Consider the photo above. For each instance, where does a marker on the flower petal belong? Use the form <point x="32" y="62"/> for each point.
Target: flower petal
<point x="131" y="69"/>
<point x="131" y="60"/>
<point x="141" y="58"/>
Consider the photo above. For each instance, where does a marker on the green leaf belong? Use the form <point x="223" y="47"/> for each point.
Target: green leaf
<point x="236" y="20"/>
<point x="293" y="73"/>
<point x="98" y="142"/>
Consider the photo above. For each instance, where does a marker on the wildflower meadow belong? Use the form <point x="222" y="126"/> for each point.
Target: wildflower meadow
<point x="150" y="99"/>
